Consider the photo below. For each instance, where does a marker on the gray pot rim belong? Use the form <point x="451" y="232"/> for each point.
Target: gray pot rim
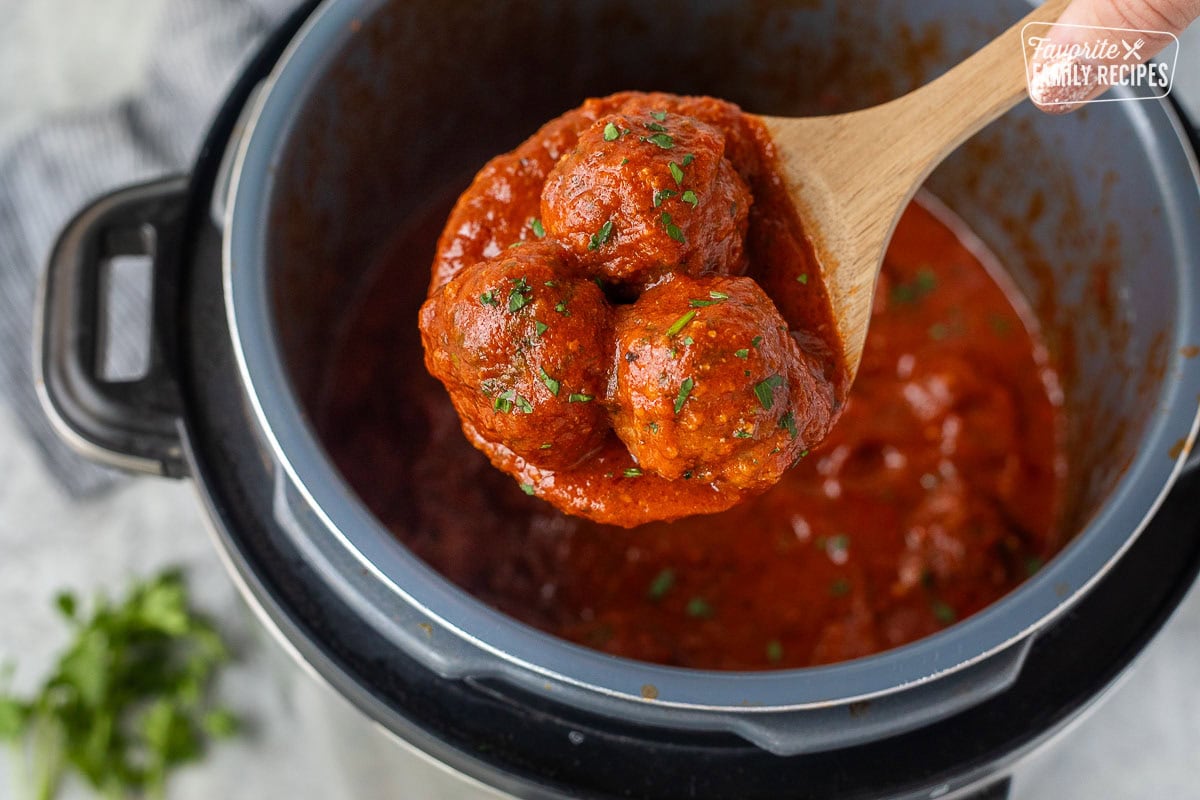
<point x="298" y="452"/>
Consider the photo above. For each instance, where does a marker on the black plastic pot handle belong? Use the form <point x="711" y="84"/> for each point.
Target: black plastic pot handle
<point x="133" y="425"/>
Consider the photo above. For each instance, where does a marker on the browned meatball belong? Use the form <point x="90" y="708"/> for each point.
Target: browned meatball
<point x="522" y="346"/>
<point x="646" y="194"/>
<point x="709" y="384"/>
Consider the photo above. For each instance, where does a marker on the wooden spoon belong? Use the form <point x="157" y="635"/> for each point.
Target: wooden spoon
<point x="851" y="175"/>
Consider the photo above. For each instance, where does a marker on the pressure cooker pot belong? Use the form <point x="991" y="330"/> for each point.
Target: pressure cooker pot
<point x="340" y="133"/>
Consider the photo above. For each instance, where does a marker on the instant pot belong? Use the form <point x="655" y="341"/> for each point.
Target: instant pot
<point x="356" y="112"/>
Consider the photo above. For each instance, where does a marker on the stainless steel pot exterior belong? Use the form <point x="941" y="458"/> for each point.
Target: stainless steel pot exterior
<point x="323" y="146"/>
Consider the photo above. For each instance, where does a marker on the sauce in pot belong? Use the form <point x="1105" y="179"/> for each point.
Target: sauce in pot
<point x="935" y="494"/>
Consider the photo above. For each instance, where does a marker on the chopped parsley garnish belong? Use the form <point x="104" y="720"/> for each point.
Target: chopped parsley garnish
<point x="742" y="435"/>
<point x="743" y="353"/>
<point x="764" y="391"/>
<point x="654" y="126"/>
<point x="535" y="225"/>
<point x="504" y="401"/>
<point x="579" y="398"/>
<point x="520" y="295"/>
<point x="661" y="584"/>
<point x="774" y="651"/>
<point x="840" y="587"/>
<point x="688" y="341"/>
<point x="685" y="390"/>
<point x="804" y="454"/>
<point x="653" y="426"/>
<point x="916" y="289"/>
<point x="546" y="446"/>
<point x="661" y="195"/>
<point x="802" y="277"/>
<point x="716" y="297"/>
<point x="527" y="488"/>
<point x="540" y="327"/>
<point x="663" y="140"/>
<point x="127" y="702"/>
<point x="788" y="423"/>
<point x="632" y="472"/>
<point x="562" y="309"/>
<point x="699" y="608"/>
<point x="549" y="283"/>
<point x="681" y="323"/>
<point x="611" y="133"/>
<point x="551" y="384"/>
<point x="661" y="116"/>
<point x="600" y="237"/>
<point x="676" y="173"/>
<point x="944" y="613"/>
<point x="489" y="298"/>
<point x="688" y="159"/>
<point x="755" y="342"/>
<point x="523" y="405"/>
<point x="690" y="198"/>
<point x="672" y="229"/>
<point x="624" y="161"/>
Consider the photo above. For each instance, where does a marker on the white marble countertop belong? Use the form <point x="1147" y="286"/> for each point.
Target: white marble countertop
<point x="1144" y="741"/>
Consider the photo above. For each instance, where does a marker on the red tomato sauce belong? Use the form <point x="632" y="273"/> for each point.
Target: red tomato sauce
<point x="937" y="492"/>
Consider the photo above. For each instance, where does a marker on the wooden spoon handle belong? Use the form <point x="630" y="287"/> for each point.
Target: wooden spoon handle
<point x="941" y="115"/>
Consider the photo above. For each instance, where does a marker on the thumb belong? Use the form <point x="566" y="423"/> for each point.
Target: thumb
<point x="1079" y="62"/>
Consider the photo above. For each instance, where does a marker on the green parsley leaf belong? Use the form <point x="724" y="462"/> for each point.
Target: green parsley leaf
<point x="788" y="423"/>
<point x="539" y="327"/>
<point x="520" y="295"/>
<point x="504" y="401"/>
<point x="676" y="173"/>
<point x="579" y="398"/>
<point x="764" y="391"/>
<point x="802" y="277"/>
<point x="536" y="225"/>
<point x="528" y="489"/>
<point x="774" y="651"/>
<point x="600" y="237"/>
<point x="611" y="133"/>
<point x="755" y="342"/>
<point x="654" y="126"/>
<point x="661" y="116"/>
<point x="739" y="434"/>
<point x="561" y="308"/>
<point x="489" y="298"/>
<point x="743" y="353"/>
<point x="681" y="323"/>
<point x="944" y="613"/>
<point x="632" y="472"/>
<point x="699" y="608"/>
<point x="690" y="198"/>
<point x="661" y="584"/>
<point x="688" y="159"/>
<point x="672" y="229"/>
<point x="915" y="290"/>
<point x="663" y="140"/>
<point x="661" y="195"/>
<point x="551" y="384"/>
<point x="523" y="405"/>
<point x="685" y="391"/>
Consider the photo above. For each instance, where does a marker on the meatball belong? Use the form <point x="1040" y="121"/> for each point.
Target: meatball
<point x="521" y="344"/>
<point x="644" y="195"/>
<point x="709" y="384"/>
